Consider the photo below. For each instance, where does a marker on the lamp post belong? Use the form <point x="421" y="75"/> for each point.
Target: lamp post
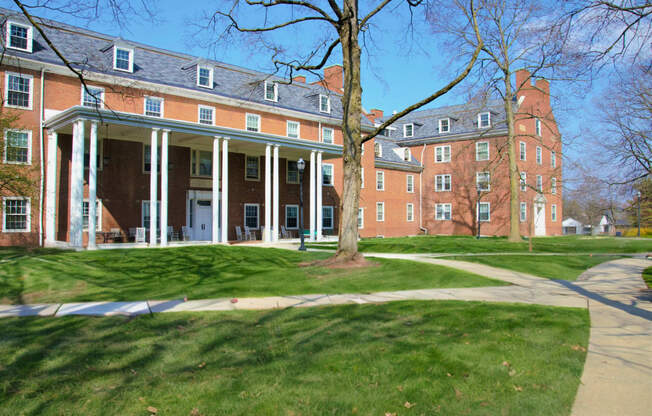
<point x="478" y="209"/>
<point x="638" y="234"/>
<point x="301" y="165"/>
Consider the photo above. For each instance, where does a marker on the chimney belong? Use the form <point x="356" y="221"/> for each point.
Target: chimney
<point x="299" y="78"/>
<point x="523" y="80"/>
<point x="376" y="113"/>
<point x="334" y="78"/>
<point x="543" y="86"/>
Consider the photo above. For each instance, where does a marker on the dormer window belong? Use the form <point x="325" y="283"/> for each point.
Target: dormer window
<point x="406" y="154"/>
<point x="408" y="130"/>
<point x="19" y="36"/>
<point x="271" y="91"/>
<point x="324" y="103"/>
<point x="123" y="59"/>
<point x="444" y="125"/>
<point x="204" y="76"/>
<point x="484" y="120"/>
<point x="378" y="150"/>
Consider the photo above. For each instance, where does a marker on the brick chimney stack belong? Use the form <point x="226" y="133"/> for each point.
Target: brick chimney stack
<point x="334" y="78"/>
<point x="375" y="113"/>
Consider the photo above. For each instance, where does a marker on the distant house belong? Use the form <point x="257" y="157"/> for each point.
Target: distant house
<point x="572" y="226"/>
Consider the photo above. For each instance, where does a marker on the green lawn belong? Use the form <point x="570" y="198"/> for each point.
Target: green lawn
<point x="468" y="244"/>
<point x="202" y="272"/>
<point x="421" y="358"/>
<point x="647" y="276"/>
<point x="552" y="267"/>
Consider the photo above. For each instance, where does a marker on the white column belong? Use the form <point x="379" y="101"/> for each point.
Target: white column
<point x="164" y="187"/>
<point x="268" y="193"/>
<point x="275" y="195"/>
<point x="215" y="236"/>
<point x="313" y="172"/>
<point x="51" y="192"/>
<point x="225" y="189"/>
<point x="77" y="184"/>
<point x="153" y="184"/>
<point x="319" y="191"/>
<point x="92" y="186"/>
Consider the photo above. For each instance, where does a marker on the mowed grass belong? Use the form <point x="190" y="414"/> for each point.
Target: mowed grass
<point x="647" y="276"/>
<point x="203" y="272"/>
<point x="552" y="267"/>
<point x="468" y="244"/>
<point x="447" y="357"/>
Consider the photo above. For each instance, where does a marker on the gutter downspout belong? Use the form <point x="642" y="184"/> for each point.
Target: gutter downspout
<point x="421" y="227"/>
<point x="40" y="198"/>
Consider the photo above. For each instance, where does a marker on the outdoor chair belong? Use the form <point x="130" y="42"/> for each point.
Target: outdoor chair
<point x="140" y="235"/>
<point x="116" y="234"/>
<point x="185" y="233"/>
<point x="172" y="235"/>
<point x="285" y="233"/>
<point x="132" y="233"/>
<point x="238" y="233"/>
<point x="249" y="233"/>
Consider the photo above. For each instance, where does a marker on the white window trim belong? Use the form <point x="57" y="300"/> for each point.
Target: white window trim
<point x="520" y="212"/>
<point x="83" y="90"/>
<point x="450" y="209"/>
<point x="405" y="129"/>
<point x="380" y="150"/>
<point x="328" y="207"/>
<point x="382" y="204"/>
<point x="287" y="129"/>
<point x="287" y="172"/>
<point x="328" y="103"/>
<point x="439" y="127"/>
<point x="131" y="59"/>
<point x="323" y="129"/>
<point x="382" y="175"/>
<point x="197" y="174"/>
<point x="407" y="212"/>
<point x="258" y="118"/>
<point x="210" y="76"/>
<point x="407" y="183"/>
<point x="539" y="183"/>
<point x="31" y="90"/>
<point x="537" y="126"/>
<point x="28" y="224"/>
<point x="522" y="155"/>
<point x="332" y="174"/>
<point x="480" y="126"/>
<point x="275" y="85"/>
<point x="361" y="218"/>
<point x="488" y="151"/>
<point x="29" y="147"/>
<point x="30" y="36"/>
<point x="477" y="182"/>
<point x="443" y="182"/>
<point x="488" y="204"/>
<point x="539" y="155"/>
<point x="286" y="216"/>
<point x="553" y="185"/>
<point x="205" y="107"/>
<point x="244" y="217"/>
<point x="245" y="170"/>
<point x="553" y="213"/>
<point x="151" y="97"/>
<point x="553" y="159"/>
<point x="443" y="154"/>
<point x="98" y="226"/>
<point x="523" y="181"/>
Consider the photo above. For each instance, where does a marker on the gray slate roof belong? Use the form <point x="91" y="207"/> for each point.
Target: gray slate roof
<point x="388" y="153"/>
<point x="93" y="51"/>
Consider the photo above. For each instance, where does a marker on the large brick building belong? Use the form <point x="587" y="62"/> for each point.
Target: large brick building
<point x="231" y="138"/>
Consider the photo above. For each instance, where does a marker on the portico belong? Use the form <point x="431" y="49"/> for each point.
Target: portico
<point x="191" y="171"/>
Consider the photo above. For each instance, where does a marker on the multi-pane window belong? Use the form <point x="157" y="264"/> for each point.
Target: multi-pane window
<point x="324" y="103"/>
<point x="408" y="130"/>
<point x="360" y="218"/>
<point x="16" y="214"/>
<point x="327" y="174"/>
<point x="98" y="215"/>
<point x="444" y="125"/>
<point x="327" y="135"/>
<point x="251" y="215"/>
<point x="292" y="172"/>
<point x="553" y="212"/>
<point x="92" y="97"/>
<point x="327" y="218"/>
<point x="442" y="154"/>
<point x="380" y="211"/>
<point x="553" y="186"/>
<point x="18" y="146"/>
<point x="253" y="122"/>
<point x="410" y="212"/>
<point x="522" y="154"/>
<point x="378" y="150"/>
<point x="443" y="212"/>
<point x="206" y="115"/>
<point x="539" y="157"/>
<point x="123" y="59"/>
<point x="537" y="124"/>
<point x="553" y="159"/>
<point x="484" y="213"/>
<point x="293" y="129"/>
<point x="20" y="37"/>
<point x="484" y="120"/>
<point x="442" y="183"/>
<point x="523" y="212"/>
<point x="539" y="183"/>
<point x="482" y="151"/>
<point x="252" y="171"/>
<point x="292" y="216"/>
<point x="147" y="158"/>
<point x="523" y="181"/>
<point x="19" y="89"/>
<point x="205" y="76"/>
<point x="147" y="215"/>
<point x="380" y="181"/>
<point x="271" y="91"/>
<point x="201" y="163"/>
<point x="154" y="106"/>
<point x="483" y="181"/>
<point x="410" y="183"/>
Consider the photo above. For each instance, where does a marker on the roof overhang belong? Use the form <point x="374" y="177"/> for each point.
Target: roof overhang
<point x="501" y="132"/>
<point x="384" y="164"/>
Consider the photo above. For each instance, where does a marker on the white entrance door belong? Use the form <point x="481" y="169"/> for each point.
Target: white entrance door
<point x="204" y="221"/>
<point x="539" y="219"/>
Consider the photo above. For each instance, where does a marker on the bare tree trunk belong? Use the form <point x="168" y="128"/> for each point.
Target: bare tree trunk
<point x="352" y="108"/>
<point x="514" y="176"/>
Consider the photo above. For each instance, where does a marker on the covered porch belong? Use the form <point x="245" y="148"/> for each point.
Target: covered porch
<point x="208" y="182"/>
